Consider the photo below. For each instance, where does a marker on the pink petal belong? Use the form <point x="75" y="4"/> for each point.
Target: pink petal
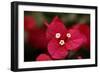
<point x="43" y="57"/>
<point x="57" y="51"/>
<point x="75" y="34"/>
<point x="74" y="44"/>
<point x="85" y="29"/>
<point x="76" y="41"/>
<point x="56" y="26"/>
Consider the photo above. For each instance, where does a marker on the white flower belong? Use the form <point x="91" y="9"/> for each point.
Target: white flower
<point x="58" y="35"/>
<point x="61" y="42"/>
<point x="68" y="35"/>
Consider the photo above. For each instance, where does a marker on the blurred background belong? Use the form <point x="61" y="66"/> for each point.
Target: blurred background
<point x="67" y="18"/>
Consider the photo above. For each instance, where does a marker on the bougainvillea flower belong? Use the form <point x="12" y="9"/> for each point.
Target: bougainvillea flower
<point x="84" y="29"/>
<point x="43" y="57"/>
<point x="56" y="26"/>
<point x="29" y="23"/>
<point x="56" y="50"/>
<point x="37" y="38"/>
<point x="62" y="39"/>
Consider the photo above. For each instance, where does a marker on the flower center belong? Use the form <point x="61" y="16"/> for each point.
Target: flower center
<point x="61" y="42"/>
<point x="68" y="35"/>
<point x="57" y="35"/>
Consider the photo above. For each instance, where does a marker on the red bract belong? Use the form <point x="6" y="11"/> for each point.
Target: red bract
<point x="84" y="29"/>
<point x="29" y="23"/>
<point x="76" y="40"/>
<point x="56" y="26"/>
<point x="61" y="39"/>
<point x="56" y="50"/>
<point x="43" y="57"/>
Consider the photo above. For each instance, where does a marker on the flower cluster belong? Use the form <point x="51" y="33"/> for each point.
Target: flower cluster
<point x="55" y="39"/>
